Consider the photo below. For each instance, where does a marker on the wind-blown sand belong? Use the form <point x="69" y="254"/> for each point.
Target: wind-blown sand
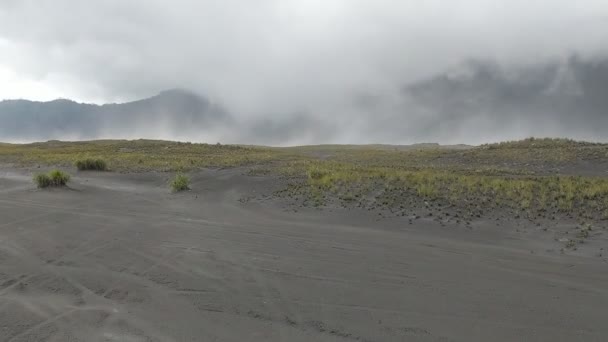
<point x="115" y="257"/>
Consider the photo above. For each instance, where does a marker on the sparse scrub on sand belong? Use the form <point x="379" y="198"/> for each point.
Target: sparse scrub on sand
<point x="518" y="175"/>
<point x="140" y="155"/>
<point x="54" y="178"/>
<point x="529" y="193"/>
<point x="91" y="164"/>
<point x="510" y="158"/>
<point x="540" y="143"/>
<point x="316" y="174"/>
<point x="180" y="183"/>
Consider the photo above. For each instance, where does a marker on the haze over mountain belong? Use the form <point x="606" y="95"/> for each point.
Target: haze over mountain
<point x="553" y="99"/>
<point x="171" y="113"/>
<point x="305" y="71"/>
<point x="490" y="102"/>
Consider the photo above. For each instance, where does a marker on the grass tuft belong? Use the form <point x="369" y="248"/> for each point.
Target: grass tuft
<point x="42" y="180"/>
<point x="54" y="178"/>
<point x="180" y="183"/>
<point x="91" y="164"/>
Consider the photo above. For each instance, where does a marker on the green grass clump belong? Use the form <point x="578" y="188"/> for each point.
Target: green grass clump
<point x="180" y="183"/>
<point x="91" y="164"/>
<point x="54" y="178"/>
<point x="42" y="180"/>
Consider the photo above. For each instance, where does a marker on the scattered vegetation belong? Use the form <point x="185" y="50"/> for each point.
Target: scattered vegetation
<point x="571" y="244"/>
<point x="91" y="164"/>
<point x="139" y="155"/>
<point x="54" y="178"/>
<point x="530" y="156"/>
<point x="529" y="177"/>
<point x="530" y="193"/>
<point x="180" y="183"/>
<point x="540" y="143"/>
<point x="539" y="154"/>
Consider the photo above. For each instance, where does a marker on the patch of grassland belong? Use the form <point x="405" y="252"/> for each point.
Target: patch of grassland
<point x="512" y="175"/>
<point x="519" y="175"/>
<point x="535" y="193"/>
<point x="138" y="155"/>
<point x="550" y="143"/>
<point x="538" y="151"/>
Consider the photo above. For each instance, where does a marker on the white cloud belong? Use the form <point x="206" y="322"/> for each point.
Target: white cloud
<point x="273" y="53"/>
<point x="14" y="87"/>
<point x="278" y="57"/>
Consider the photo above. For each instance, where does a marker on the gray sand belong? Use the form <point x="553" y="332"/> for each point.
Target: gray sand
<point x="118" y="258"/>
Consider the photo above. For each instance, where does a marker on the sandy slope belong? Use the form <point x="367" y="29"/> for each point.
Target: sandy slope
<point x="118" y="258"/>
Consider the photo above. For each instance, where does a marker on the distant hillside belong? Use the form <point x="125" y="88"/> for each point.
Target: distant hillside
<point x="171" y="113"/>
<point x="378" y="147"/>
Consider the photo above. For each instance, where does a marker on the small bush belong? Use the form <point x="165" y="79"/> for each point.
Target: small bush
<point x="54" y="178"/>
<point x="180" y="183"/>
<point x="42" y="180"/>
<point x="91" y="164"/>
<point x="316" y="173"/>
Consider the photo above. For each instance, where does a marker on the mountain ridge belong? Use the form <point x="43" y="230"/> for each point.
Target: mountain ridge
<point x="170" y="112"/>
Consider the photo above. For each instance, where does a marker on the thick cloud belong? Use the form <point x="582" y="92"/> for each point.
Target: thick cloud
<point x="482" y="101"/>
<point x="336" y="67"/>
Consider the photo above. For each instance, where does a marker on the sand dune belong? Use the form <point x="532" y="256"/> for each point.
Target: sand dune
<point x="116" y="257"/>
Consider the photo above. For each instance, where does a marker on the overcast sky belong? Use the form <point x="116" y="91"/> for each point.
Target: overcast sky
<point x="279" y="57"/>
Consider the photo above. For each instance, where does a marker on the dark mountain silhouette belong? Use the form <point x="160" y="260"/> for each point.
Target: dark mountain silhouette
<point x="174" y="113"/>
